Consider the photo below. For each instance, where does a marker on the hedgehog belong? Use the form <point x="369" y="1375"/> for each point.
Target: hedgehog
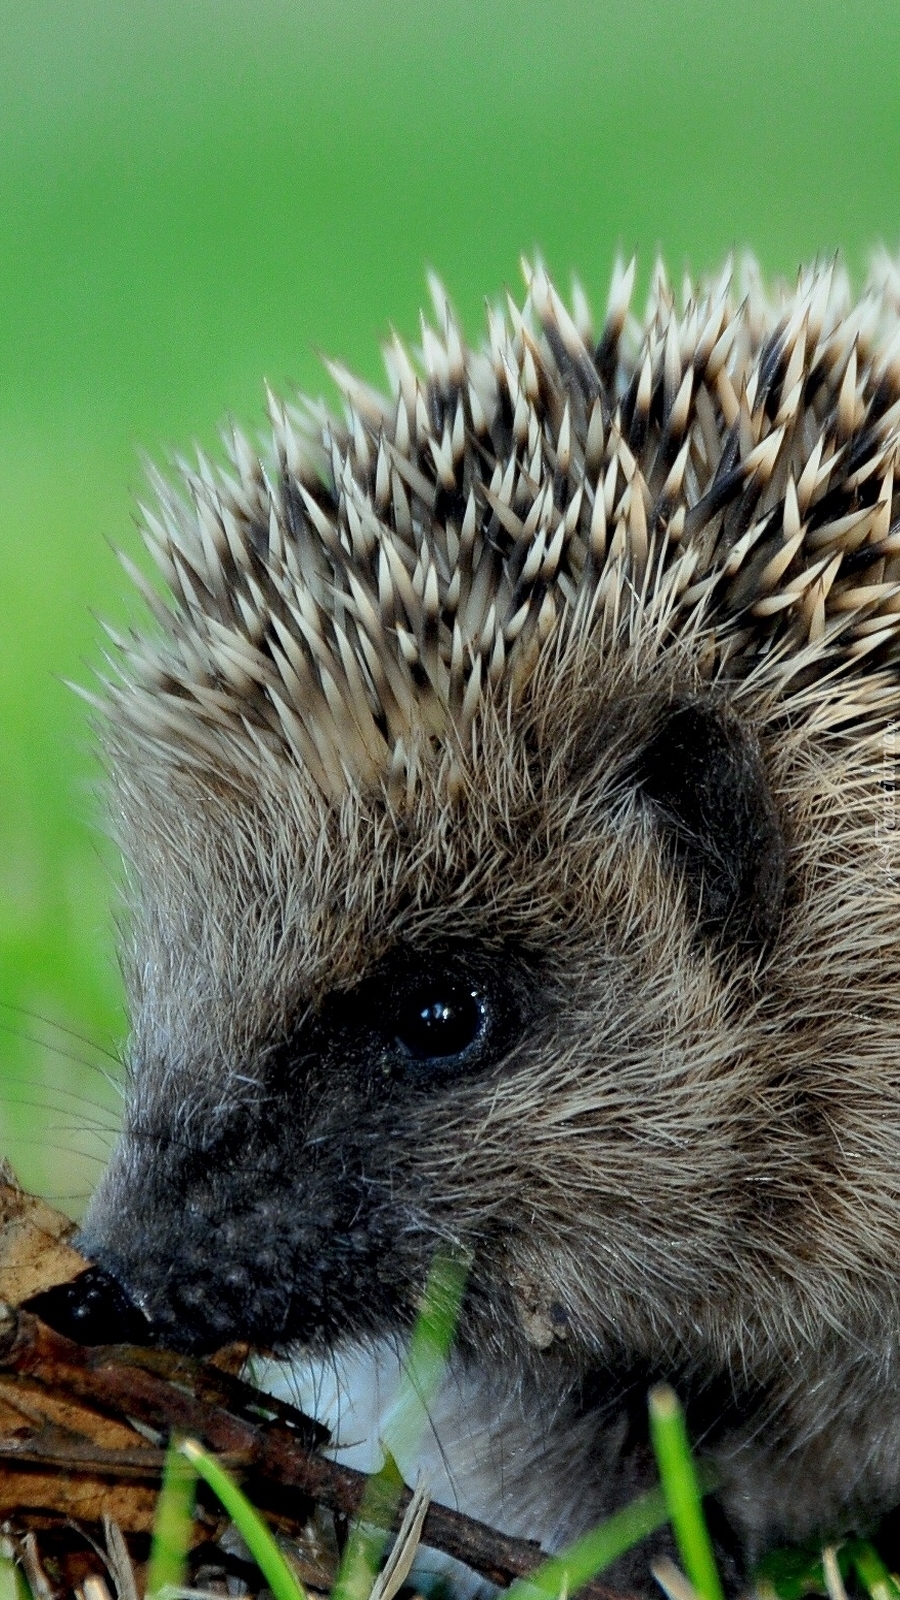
<point x="507" y="790"/>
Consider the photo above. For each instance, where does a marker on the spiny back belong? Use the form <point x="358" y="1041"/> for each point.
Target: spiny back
<point x="725" y="469"/>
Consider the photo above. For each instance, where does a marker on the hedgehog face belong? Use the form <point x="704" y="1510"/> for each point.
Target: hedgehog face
<point x="357" y="1036"/>
<point x="507" y="795"/>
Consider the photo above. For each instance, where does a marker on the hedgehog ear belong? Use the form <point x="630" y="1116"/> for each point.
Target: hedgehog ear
<point x="703" y="774"/>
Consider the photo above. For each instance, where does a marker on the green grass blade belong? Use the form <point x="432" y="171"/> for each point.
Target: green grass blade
<point x="423" y="1369"/>
<point x="273" y="1565"/>
<point x="594" y="1551"/>
<point x="369" y="1535"/>
<point x="871" y="1571"/>
<point x="13" y="1583"/>
<point x="682" y="1491"/>
<point x="791" y="1574"/>
<point x="428" y="1352"/>
<point x="172" y="1524"/>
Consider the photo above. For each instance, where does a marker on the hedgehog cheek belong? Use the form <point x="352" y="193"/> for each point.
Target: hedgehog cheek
<point x="703" y="775"/>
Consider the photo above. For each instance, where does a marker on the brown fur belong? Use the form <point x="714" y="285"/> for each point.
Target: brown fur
<point x="687" y="1161"/>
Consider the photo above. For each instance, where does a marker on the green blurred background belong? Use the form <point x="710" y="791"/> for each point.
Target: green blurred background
<point x="197" y="193"/>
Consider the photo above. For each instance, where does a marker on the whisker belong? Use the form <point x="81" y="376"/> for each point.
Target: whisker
<point x="64" y="1054"/>
<point x="26" y="1081"/>
<point x="61" y="1027"/>
<point x="28" y="1141"/>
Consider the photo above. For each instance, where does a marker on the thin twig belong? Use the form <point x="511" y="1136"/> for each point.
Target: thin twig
<point x="160" y="1391"/>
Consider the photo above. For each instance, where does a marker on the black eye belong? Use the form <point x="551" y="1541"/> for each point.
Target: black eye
<point x="440" y="1020"/>
<point x="425" y="1016"/>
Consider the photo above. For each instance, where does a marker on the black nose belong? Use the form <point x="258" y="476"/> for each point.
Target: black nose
<point x="92" y="1309"/>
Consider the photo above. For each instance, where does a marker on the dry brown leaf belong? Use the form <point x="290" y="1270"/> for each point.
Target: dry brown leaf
<point x="35" y="1255"/>
<point x="48" y="1423"/>
<point x="35" y="1252"/>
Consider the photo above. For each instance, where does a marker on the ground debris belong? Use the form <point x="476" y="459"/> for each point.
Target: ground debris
<point x="83" y="1435"/>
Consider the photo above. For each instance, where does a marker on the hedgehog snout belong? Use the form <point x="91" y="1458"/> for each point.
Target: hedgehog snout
<point x="194" y="1260"/>
<point x="93" y="1308"/>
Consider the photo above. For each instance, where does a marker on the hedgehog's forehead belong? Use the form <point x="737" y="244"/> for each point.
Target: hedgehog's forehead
<point x="317" y="888"/>
<point x="366" y="588"/>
